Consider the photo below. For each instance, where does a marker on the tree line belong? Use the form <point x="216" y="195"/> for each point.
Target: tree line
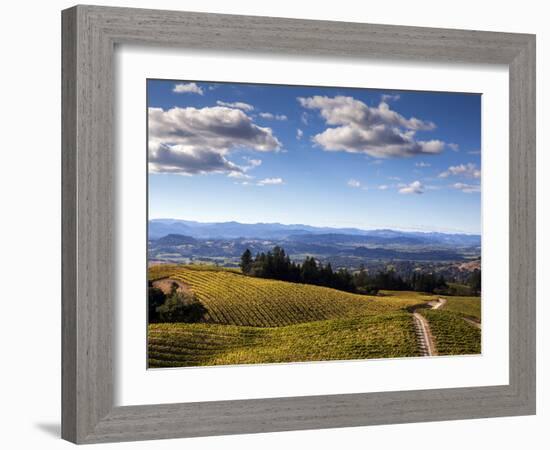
<point x="276" y="264"/>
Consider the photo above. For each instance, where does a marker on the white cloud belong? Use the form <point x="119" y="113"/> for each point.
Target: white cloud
<point x="270" y="181"/>
<point x="187" y="88"/>
<point x="474" y="152"/>
<point x="454" y="147"/>
<point x="253" y="163"/>
<point x="304" y="118"/>
<point x="240" y="175"/>
<point x="467" y="188"/>
<point x="390" y="97"/>
<point x="469" y="170"/>
<point x="268" y="115"/>
<point x="422" y="164"/>
<point x="341" y="110"/>
<point x="299" y="134"/>
<point x="415" y="187"/>
<point x="383" y="187"/>
<point x="196" y="141"/>
<point x="354" y="183"/>
<point x="377" y="131"/>
<point x="238" y="105"/>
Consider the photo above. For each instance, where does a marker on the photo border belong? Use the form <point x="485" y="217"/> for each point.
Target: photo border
<point x="90" y="35"/>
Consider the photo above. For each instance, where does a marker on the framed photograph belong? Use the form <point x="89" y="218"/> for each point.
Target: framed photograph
<point x="264" y="228"/>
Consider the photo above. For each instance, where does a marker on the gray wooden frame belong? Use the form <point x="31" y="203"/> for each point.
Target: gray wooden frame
<point x="90" y="34"/>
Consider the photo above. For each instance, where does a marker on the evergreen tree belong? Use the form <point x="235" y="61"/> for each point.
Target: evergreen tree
<point x="475" y="282"/>
<point x="246" y="261"/>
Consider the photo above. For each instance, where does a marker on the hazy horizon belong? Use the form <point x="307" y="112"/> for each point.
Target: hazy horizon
<point x="412" y="230"/>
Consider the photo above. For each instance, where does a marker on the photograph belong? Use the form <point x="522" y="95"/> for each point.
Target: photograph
<point x="293" y="224"/>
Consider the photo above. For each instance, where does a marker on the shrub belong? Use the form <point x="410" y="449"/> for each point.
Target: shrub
<point x="181" y="307"/>
<point x="155" y="298"/>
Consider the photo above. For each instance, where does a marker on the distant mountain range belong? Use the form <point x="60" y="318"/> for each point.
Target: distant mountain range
<point x="305" y="234"/>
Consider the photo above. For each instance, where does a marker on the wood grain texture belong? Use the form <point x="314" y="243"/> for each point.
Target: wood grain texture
<point x="89" y="37"/>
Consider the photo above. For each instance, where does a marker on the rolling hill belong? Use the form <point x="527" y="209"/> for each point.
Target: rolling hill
<point x="257" y="321"/>
<point x="389" y="335"/>
<point x="235" y="299"/>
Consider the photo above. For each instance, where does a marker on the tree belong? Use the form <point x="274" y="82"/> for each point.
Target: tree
<point x="155" y="298"/>
<point x="309" y="272"/>
<point x="181" y="307"/>
<point x="246" y="261"/>
<point x="475" y="282"/>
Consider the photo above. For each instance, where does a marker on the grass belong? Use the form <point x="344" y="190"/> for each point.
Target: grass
<point x="459" y="289"/>
<point x="465" y="306"/>
<point x="452" y="334"/>
<point x="388" y="335"/>
<point x="235" y="299"/>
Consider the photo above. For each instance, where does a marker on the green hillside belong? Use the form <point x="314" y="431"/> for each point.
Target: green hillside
<point x="383" y="336"/>
<point x="235" y="299"/>
<point x="465" y="306"/>
<point x="252" y="320"/>
<point x="452" y="334"/>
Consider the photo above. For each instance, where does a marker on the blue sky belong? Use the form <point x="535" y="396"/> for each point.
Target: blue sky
<point x="314" y="155"/>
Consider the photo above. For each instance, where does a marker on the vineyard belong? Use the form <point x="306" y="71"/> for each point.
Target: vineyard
<point x="452" y="334"/>
<point x="384" y="336"/>
<point x="465" y="306"/>
<point x="251" y="320"/>
<point x="234" y="299"/>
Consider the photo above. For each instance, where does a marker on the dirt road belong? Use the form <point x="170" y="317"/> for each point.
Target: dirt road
<point x="472" y="322"/>
<point x="422" y="327"/>
<point x="424" y="335"/>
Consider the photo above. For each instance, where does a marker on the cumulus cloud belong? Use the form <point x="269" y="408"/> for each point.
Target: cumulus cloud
<point x="187" y="88"/>
<point x="180" y="159"/>
<point x="299" y="134"/>
<point x="415" y="187"/>
<point x="377" y="131"/>
<point x="238" y="105"/>
<point x="469" y="170"/>
<point x="270" y="181"/>
<point x="467" y="188"/>
<point x="269" y="116"/>
<point x="196" y="141"/>
<point x="354" y="183"/>
<point x="341" y="110"/>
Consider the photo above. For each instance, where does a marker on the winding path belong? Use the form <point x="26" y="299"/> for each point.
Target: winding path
<point x="441" y="302"/>
<point x="472" y="322"/>
<point x="423" y="335"/>
<point x="422" y="328"/>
